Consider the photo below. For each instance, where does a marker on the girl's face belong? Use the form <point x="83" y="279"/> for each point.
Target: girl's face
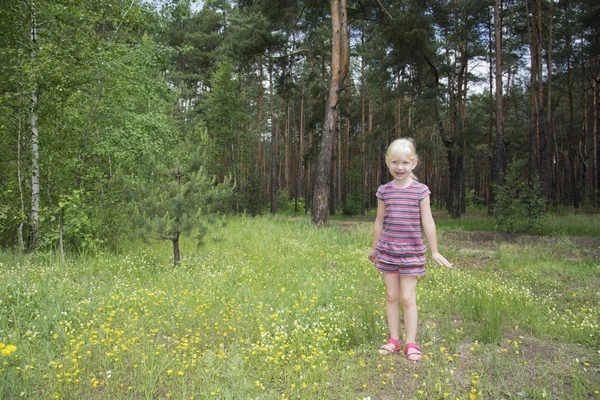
<point x="401" y="166"/>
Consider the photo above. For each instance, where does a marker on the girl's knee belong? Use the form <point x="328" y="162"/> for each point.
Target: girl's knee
<point x="392" y="296"/>
<point x="409" y="299"/>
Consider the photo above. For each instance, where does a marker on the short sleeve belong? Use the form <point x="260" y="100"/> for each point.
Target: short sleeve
<point x="424" y="192"/>
<point x="380" y="195"/>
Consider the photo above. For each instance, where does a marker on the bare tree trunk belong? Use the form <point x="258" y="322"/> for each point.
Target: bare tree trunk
<point x="346" y="161"/>
<point x="300" y="192"/>
<point x="573" y="138"/>
<point x="583" y="144"/>
<point x="176" y="253"/>
<point x="309" y="174"/>
<point x="340" y="56"/>
<point x="549" y="134"/>
<point x="274" y="180"/>
<point x="20" y="241"/>
<point x="338" y="175"/>
<point x="595" y="132"/>
<point x="373" y="182"/>
<point x="500" y="151"/>
<point x="544" y="135"/>
<point x="362" y="133"/>
<point x="489" y="156"/>
<point x="533" y="99"/>
<point x="286" y="144"/>
<point x="258" y="126"/>
<point x="35" y="155"/>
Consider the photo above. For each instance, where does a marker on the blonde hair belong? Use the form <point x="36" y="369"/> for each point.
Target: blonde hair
<point x="405" y="146"/>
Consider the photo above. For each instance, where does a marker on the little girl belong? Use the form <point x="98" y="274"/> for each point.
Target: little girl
<point x="398" y="250"/>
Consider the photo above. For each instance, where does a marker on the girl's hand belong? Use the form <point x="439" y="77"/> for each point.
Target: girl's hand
<point x="371" y="255"/>
<point x="441" y="260"/>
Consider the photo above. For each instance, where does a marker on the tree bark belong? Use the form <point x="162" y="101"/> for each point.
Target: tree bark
<point x="340" y="56"/>
<point x="176" y="253"/>
<point x="573" y="137"/>
<point x="346" y="161"/>
<point x="544" y="135"/>
<point x="362" y="133"/>
<point x="500" y="150"/>
<point x="35" y="169"/>
<point x="533" y="128"/>
<point x="274" y="176"/>
<point x="20" y="240"/>
<point x="549" y="134"/>
<point x="489" y="156"/>
<point x="300" y="178"/>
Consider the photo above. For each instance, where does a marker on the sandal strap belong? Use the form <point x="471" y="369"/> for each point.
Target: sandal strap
<point x="412" y="346"/>
<point x="416" y="352"/>
<point x="391" y="346"/>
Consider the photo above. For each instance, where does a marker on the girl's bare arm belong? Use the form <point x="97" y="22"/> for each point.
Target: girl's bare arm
<point x="430" y="233"/>
<point x="377" y="229"/>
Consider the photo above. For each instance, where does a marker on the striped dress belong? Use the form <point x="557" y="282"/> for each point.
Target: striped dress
<point x="400" y="249"/>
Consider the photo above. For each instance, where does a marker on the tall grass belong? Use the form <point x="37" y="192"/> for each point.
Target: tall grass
<point x="278" y="309"/>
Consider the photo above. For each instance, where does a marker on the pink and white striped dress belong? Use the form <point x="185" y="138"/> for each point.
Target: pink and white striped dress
<point x="400" y="249"/>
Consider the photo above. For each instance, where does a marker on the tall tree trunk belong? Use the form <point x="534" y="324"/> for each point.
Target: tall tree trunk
<point x="258" y="126"/>
<point x="595" y="134"/>
<point x="340" y="57"/>
<point x="549" y="134"/>
<point x="583" y="143"/>
<point x="286" y="144"/>
<point x="274" y="175"/>
<point x="362" y="133"/>
<point x="544" y="135"/>
<point x="500" y="151"/>
<point x="533" y="106"/>
<point x="373" y="183"/>
<point x="20" y="240"/>
<point x="346" y="161"/>
<point x="300" y="192"/>
<point x="338" y="175"/>
<point x="35" y="155"/>
<point x="489" y="156"/>
<point x="573" y="137"/>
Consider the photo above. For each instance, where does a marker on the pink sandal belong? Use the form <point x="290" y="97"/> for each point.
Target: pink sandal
<point x="416" y="352"/>
<point x="392" y="346"/>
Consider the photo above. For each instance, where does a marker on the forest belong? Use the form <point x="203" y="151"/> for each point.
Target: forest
<point x="188" y="190"/>
<point x="123" y="119"/>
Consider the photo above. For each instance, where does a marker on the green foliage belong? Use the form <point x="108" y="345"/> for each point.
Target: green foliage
<point x="518" y="205"/>
<point x="283" y="201"/>
<point x="75" y="215"/>
<point x="178" y="198"/>
<point x="352" y="206"/>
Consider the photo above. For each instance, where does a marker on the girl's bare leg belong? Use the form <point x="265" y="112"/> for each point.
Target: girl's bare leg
<point x="392" y="302"/>
<point x="408" y="296"/>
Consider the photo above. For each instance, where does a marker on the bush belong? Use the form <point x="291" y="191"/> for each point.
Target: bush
<point x="518" y="205"/>
<point x="352" y="206"/>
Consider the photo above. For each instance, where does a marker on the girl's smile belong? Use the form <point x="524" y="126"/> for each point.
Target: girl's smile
<point x="401" y="168"/>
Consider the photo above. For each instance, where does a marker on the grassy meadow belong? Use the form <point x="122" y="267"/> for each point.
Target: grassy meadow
<point x="277" y="309"/>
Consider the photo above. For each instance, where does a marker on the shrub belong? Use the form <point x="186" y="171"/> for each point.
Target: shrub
<point x="518" y="205"/>
<point x="352" y="206"/>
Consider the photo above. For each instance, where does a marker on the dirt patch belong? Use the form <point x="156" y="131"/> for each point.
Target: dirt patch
<point x="486" y="242"/>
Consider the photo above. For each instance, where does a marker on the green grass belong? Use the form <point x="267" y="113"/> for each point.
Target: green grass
<point x="280" y="309"/>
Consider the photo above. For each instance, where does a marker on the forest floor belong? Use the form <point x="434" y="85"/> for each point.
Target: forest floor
<point x="280" y="309"/>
